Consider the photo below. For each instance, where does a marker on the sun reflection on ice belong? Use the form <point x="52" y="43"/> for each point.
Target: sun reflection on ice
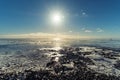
<point x="57" y="59"/>
<point x="57" y="39"/>
<point x="57" y="48"/>
<point x="57" y="43"/>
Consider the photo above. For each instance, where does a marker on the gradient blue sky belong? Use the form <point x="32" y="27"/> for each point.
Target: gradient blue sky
<point x="100" y="18"/>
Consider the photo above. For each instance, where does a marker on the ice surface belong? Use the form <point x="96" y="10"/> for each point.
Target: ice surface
<point x="21" y="54"/>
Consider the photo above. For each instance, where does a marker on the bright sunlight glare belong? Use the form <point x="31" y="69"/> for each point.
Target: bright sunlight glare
<point x="57" y="18"/>
<point x="57" y="39"/>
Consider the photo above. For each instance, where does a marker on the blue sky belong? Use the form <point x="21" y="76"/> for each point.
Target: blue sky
<point x="99" y="18"/>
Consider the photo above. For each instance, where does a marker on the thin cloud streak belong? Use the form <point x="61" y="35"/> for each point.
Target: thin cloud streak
<point x="41" y="35"/>
<point x="99" y="30"/>
<point x="88" y="31"/>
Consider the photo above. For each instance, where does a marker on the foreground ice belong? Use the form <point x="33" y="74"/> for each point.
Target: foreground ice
<point x="18" y="56"/>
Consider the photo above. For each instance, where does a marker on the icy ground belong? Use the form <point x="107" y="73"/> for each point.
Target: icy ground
<point x="20" y="55"/>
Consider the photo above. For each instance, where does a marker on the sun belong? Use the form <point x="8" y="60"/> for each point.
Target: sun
<point x="57" y="18"/>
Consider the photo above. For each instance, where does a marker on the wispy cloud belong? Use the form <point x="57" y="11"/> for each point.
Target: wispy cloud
<point x="29" y="35"/>
<point x="83" y="29"/>
<point x="88" y="31"/>
<point x="70" y="31"/>
<point x="82" y="13"/>
<point x="99" y="30"/>
<point x="37" y="35"/>
<point x="46" y="35"/>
